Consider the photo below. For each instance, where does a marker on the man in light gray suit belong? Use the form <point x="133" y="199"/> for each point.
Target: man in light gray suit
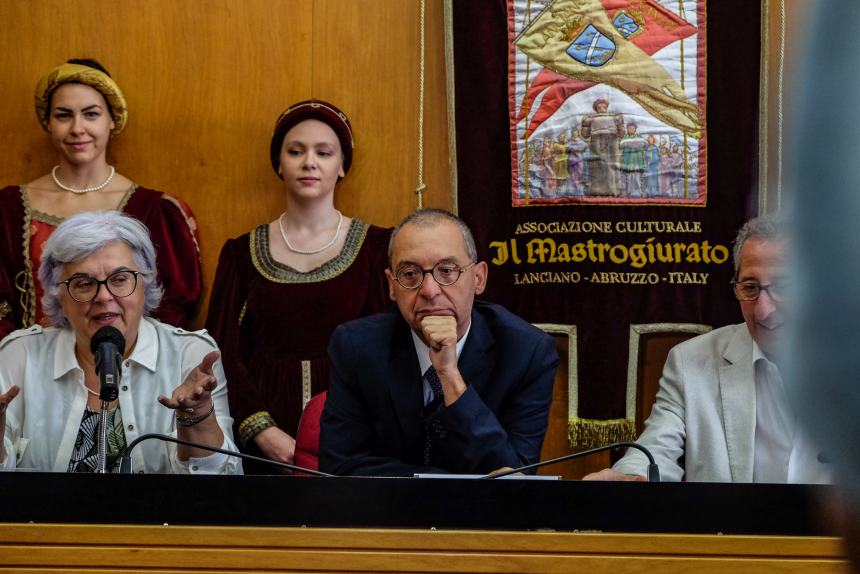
<point x="722" y="414"/>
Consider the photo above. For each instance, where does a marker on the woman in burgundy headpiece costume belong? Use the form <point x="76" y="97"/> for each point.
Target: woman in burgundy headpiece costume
<point x="281" y="289"/>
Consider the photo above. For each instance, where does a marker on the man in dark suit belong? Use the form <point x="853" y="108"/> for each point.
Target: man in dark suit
<point x="442" y="383"/>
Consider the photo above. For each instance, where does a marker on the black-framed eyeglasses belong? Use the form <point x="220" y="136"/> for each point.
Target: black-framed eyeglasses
<point x="84" y="289"/>
<point x="444" y="273"/>
<point x="750" y="290"/>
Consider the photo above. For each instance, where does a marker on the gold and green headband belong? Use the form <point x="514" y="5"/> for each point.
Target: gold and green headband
<point x="79" y="74"/>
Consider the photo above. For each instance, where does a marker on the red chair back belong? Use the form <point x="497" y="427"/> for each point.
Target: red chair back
<point x="308" y="434"/>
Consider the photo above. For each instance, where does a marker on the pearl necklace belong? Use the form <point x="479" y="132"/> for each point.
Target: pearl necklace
<point x="312" y="251"/>
<point x="98" y="187"/>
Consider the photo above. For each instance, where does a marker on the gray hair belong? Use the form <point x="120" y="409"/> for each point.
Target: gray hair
<point x="770" y="226"/>
<point x="83" y="234"/>
<point x="430" y="217"/>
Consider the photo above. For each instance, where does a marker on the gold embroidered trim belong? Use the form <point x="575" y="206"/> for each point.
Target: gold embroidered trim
<point x="46" y="218"/>
<point x="174" y="201"/>
<point x="255" y="423"/>
<point x="277" y="272"/>
<point x="24" y="281"/>
<point x="306" y="383"/>
<point x="589" y="433"/>
<point x="55" y="220"/>
<point x="127" y="197"/>
<point x="243" y="311"/>
<point x="5" y="309"/>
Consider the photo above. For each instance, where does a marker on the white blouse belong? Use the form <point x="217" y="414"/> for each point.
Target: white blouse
<point x="42" y="421"/>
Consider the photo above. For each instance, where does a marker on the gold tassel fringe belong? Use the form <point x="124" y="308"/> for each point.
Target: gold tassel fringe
<point x="591" y="433"/>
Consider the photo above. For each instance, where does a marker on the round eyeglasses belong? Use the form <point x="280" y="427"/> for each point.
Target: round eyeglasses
<point x="751" y="290"/>
<point x="444" y="273"/>
<point x="84" y="289"/>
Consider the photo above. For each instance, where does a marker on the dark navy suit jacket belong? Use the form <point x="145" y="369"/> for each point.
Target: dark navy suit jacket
<point x="373" y="423"/>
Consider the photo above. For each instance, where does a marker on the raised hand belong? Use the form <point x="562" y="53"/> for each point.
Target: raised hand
<point x="193" y="396"/>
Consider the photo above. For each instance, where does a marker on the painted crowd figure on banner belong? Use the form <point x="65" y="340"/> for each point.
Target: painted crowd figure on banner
<point x="576" y="158"/>
<point x="652" y="164"/>
<point x="604" y="131"/>
<point x="632" y="162"/>
<point x="547" y="173"/>
<point x="666" y="174"/>
<point x="559" y="162"/>
<point x="584" y="71"/>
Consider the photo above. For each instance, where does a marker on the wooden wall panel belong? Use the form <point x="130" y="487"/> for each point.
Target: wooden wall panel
<point x="205" y="81"/>
<point x="366" y="56"/>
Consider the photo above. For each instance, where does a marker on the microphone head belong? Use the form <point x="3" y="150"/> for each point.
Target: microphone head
<point x="108" y="334"/>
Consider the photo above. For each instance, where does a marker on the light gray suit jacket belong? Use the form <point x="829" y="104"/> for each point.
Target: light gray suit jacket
<point x="704" y="412"/>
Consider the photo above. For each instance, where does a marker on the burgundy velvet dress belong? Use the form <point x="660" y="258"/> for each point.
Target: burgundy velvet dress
<point x="273" y="323"/>
<point x="23" y="231"/>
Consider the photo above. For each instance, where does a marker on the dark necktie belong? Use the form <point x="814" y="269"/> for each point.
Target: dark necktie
<point x="436" y="386"/>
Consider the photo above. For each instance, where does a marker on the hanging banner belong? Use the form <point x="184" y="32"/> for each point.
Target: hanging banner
<point x="607" y="102"/>
<point x="607" y="153"/>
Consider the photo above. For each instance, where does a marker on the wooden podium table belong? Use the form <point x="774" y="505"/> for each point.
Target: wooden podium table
<point x="55" y="523"/>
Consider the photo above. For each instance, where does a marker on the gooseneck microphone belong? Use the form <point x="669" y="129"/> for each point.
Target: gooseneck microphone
<point x="653" y="470"/>
<point x="125" y="464"/>
<point x="107" y="346"/>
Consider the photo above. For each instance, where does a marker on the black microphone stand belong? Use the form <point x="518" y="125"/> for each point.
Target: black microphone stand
<point x="101" y="466"/>
<point x="653" y="470"/>
<point x="125" y="466"/>
<point x="107" y="392"/>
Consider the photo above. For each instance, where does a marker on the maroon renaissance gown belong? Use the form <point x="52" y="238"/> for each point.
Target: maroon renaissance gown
<point x="273" y="323"/>
<point x="24" y="230"/>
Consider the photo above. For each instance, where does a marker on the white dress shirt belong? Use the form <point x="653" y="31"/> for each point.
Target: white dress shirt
<point x="423" y="352"/>
<point x="783" y="452"/>
<point x="42" y="421"/>
<point x="708" y="410"/>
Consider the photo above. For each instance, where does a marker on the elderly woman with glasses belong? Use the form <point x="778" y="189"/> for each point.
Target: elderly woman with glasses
<point x="98" y="269"/>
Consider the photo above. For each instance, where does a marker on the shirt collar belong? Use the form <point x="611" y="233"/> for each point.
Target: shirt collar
<point x="757" y="354"/>
<point x="423" y="351"/>
<point x="761" y="361"/>
<point x="145" y="351"/>
<point x="64" y="355"/>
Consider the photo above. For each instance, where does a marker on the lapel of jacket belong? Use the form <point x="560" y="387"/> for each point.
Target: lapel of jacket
<point x="737" y="389"/>
<point x="404" y="383"/>
<point x="476" y="362"/>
